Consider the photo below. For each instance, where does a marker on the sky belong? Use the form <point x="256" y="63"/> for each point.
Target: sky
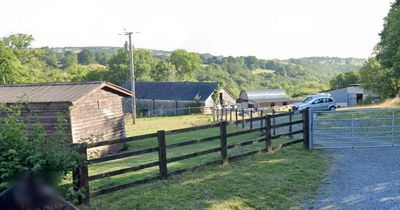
<point x="264" y="28"/>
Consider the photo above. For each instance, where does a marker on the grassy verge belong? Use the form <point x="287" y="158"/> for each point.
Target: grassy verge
<point x="278" y="181"/>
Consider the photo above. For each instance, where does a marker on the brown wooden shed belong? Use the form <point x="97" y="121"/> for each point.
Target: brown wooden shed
<point x="90" y="108"/>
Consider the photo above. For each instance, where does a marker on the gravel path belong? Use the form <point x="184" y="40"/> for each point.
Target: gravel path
<point x="360" y="178"/>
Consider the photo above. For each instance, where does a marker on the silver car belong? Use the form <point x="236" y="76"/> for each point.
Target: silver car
<point x="320" y="102"/>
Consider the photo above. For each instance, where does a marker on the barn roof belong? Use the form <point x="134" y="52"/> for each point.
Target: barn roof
<point x="54" y="92"/>
<point x="185" y="91"/>
<point x="267" y="95"/>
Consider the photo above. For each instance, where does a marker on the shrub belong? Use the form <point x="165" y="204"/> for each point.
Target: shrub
<point x="24" y="146"/>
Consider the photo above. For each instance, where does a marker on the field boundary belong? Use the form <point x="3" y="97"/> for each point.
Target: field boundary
<point x="81" y="176"/>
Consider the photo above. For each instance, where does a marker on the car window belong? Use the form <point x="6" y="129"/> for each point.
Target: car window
<point x="317" y="101"/>
<point x="306" y="100"/>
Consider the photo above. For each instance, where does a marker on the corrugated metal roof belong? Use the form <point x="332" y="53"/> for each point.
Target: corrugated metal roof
<point x="267" y="95"/>
<point x="53" y="92"/>
<point x="186" y="91"/>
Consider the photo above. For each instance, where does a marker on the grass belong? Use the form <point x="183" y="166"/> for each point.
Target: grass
<point x="262" y="71"/>
<point x="170" y="139"/>
<point x="389" y="103"/>
<point x="151" y="125"/>
<point x="281" y="180"/>
<point x="277" y="181"/>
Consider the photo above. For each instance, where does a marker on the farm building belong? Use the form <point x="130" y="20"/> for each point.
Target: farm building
<point x="170" y="98"/>
<point x="91" y="109"/>
<point x="350" y="95"/>
<point x="263" y="98"/>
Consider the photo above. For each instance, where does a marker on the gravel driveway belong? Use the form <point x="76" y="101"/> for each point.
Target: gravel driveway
<point x="360" y="178"/>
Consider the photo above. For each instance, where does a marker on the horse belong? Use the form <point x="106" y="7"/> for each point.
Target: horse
<point x="32" y="194"/>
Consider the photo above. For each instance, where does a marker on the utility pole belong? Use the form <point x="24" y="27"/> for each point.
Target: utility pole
<point x="132" y="77"/>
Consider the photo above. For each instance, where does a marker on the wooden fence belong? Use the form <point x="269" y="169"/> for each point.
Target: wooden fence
<point x="81" y="176"/>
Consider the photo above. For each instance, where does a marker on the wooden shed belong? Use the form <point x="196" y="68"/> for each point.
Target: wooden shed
<point x="91" y="109"/>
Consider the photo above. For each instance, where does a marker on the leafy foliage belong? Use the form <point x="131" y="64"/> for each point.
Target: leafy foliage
<point x="21" y="64"/>
<point x="345" y="79"/>
<point x="382" y="73"/>
<point x="24" y="146"/>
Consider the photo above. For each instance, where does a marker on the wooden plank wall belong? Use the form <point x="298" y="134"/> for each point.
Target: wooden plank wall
<point x="98" y="117"/>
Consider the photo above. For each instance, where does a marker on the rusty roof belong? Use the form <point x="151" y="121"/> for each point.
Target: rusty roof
<point x="55" y="92"/>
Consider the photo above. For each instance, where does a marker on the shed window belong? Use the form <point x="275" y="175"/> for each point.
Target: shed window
<point x="272" y="104"/>
<point x="284" y="103"/>
<point x="103" y="104"/>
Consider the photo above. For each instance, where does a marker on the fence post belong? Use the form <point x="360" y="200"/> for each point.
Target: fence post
<point x="306" y="128"/>
<point x="242" y="118"/>
<point x="230" y="114"/>
<point x="251" y="119"/>
<point x="213" y="113"/>
<point x="236" y="114"/>
<point x="80" y="175"/>
<point x="273" y="121"/>
<point x="261" y="119"/>
<point x="224" y="151"/>
<point x="290" y="126"/>
<point x="268" y="134"/>
<point x="162" y="154"/>
<point x="393" y="124"/>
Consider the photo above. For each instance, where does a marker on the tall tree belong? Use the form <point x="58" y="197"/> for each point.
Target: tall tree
<point x="185" y="63"/>
<point x="388" y="52"/>
<point x="164" y="71"/>
<point x="344" y="79"/>
<point x="85" y="57"/>
<point x="379" y="79"/>
<point x="11" y="70"/>
<point x="70" y="58"/>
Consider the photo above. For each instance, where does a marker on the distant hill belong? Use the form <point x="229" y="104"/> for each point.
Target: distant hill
<point x="298" y="76"/>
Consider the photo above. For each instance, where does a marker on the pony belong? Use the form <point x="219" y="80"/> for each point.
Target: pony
<point x="32" y="194"/>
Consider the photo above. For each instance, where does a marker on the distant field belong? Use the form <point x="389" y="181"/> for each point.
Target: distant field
<point x="152" y="125"/>
<point x="262" y="71"/>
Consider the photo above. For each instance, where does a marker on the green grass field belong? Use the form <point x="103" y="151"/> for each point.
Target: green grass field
<point x="266" y="181"/>
<point x="282" y="180"/>
<point x="262" y="71"/>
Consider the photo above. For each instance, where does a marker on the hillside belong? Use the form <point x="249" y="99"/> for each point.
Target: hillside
<point x="298" y="77"/>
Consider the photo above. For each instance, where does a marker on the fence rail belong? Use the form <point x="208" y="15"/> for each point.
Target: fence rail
<point x="82" y="179"/>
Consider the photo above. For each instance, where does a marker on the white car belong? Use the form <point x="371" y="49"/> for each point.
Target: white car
<point x="320" y="102"/>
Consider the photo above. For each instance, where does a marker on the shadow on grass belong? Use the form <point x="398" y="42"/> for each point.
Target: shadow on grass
<point x="278" y="181"/>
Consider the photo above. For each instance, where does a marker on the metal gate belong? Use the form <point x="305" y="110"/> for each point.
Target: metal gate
<point x="355" y="128"/>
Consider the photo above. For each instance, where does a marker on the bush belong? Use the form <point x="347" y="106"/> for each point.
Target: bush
<point x="24" y="146"/>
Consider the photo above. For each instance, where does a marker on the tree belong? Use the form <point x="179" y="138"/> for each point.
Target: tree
<point x="379" y="79"/>
<point x="101" y="57"/>
<point x="118" y="67"/>
<point x="144" y="64"/>
<point x="85" y="57"/>
<point x="251" y="62"/>
<point x="185" y="63"/>
<point x="164" y="71"/>
<point x="18" y="41"/>
<point x="11" y="69"/>
<point x="345" y="79"/>
<point x="388" y="52"/>
<point x="70" y="58"/>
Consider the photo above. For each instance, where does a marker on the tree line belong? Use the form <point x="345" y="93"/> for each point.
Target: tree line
<point x="19" y="63"/>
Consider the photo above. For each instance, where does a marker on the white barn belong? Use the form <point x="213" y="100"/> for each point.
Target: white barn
<point x="350" y="95"/>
